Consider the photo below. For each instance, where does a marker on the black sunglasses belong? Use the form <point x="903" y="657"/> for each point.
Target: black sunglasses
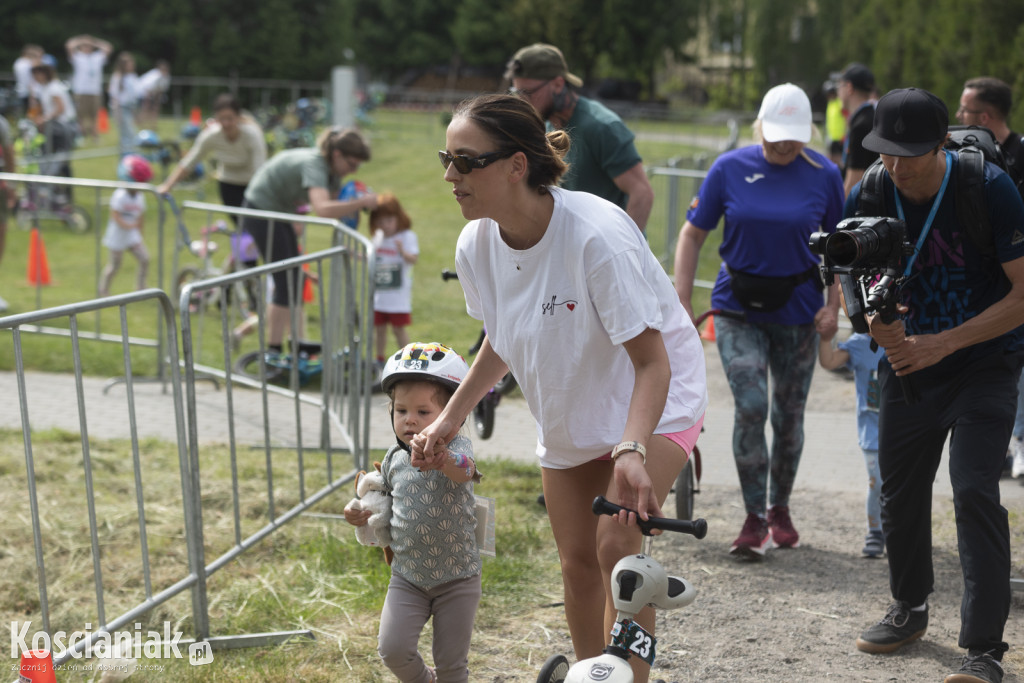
<point x="465" y="164"/>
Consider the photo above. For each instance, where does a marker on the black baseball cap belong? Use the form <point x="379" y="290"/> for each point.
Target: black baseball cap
<point x="859" y="76"/>
<point x="908" y="122"/>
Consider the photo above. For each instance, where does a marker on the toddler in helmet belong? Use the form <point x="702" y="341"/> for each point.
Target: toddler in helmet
<point x="124" y="229"/>
<point x="435" y="571"/>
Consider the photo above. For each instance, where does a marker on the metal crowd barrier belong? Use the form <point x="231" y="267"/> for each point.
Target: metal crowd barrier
<point x="317" y="465"/>
<point x="188" y="577"/>
<point x="675" y="203"/>
<point x="98" y="192"/>
<point x="343" y="296"/>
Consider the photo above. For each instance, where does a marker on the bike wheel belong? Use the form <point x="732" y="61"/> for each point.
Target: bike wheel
<point x="555" y="669"/>
<point x="248" y="365"/>
<point x="196" y="301"/>
<point x="506" y="385"/>
<point x="685" y="485"/>
<point x="483" y="417"/>
<point x="186" y="276"/>
<point x="78" y="220"/>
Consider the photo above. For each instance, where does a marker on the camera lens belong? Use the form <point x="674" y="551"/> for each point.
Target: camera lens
<point x="846" y="248"/>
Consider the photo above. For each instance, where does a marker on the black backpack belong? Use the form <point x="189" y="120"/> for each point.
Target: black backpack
<point x="974" y="146"/>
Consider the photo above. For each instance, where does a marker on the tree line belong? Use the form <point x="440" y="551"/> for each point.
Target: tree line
<point x="935" y="44"/>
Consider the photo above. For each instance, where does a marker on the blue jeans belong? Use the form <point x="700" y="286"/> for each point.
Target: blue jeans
<point x="126" y="129"/>
<point x="873" y="503"/>
<point x="749" y="351"/>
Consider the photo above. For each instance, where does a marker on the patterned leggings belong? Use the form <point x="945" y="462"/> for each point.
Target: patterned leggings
<point x="748" y="352"/>
<point x="114" y="264"/>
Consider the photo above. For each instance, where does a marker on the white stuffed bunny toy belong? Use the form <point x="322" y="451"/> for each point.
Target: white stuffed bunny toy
<point x="372" y="496"/>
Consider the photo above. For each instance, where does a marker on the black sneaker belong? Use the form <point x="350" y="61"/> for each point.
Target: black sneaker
<point x="900" y="626"/>
<point x="978" y="668"/>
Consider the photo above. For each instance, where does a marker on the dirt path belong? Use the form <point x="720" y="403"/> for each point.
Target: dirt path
<point x="796" y="615"/>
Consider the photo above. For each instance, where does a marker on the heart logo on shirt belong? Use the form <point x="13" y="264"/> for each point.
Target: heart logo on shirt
<point x="570" y="306"/>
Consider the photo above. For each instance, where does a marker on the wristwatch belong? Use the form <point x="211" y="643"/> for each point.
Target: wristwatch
<point x="630" y="447"/>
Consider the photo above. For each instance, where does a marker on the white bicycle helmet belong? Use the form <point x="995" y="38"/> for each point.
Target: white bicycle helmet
<point x="424" y="361"/>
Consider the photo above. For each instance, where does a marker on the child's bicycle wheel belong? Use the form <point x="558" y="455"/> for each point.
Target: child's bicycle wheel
<point x="248" y="365"/>
<point x="506" y="385"/>
<point x="555" y="669"/>
<point x="483" y="416"/>
<point x="686" y="486"/>
<point x="187" y="276"/>
<point x="74" y="218"/>
<point x="77" y="219"/>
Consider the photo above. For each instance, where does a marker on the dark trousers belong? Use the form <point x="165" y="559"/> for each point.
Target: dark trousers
<point x="231" y="195"/>
<point x="277" y="241"/>
<point x="975" y="404"/>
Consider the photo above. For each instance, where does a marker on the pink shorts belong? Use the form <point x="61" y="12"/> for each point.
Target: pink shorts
<point x="686" y="439"/>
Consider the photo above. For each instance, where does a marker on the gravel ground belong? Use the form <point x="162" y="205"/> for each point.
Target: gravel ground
<point x="793" y="616"/>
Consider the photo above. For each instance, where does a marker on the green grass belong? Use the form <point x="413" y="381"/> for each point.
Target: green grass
<point x="404" y="162"/>
<point x="311" y="574"/>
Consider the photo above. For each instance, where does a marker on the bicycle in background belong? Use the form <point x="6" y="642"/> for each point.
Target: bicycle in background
<point x="167" y="153"/>
<point x="41" y="202"/>
<point x="241" y="295"/>
<point x="687" y="483"/>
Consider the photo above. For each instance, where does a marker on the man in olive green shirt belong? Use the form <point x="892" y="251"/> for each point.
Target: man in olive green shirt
<point x="603" y="160"/>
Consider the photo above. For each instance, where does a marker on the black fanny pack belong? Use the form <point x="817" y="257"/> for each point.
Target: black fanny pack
<point x="766" y="294"/>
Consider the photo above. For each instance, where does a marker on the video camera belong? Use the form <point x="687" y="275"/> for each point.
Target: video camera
<point x="867" y="255"/>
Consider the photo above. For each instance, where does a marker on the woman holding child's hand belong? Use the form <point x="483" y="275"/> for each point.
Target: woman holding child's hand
<point x="582" y="313"/>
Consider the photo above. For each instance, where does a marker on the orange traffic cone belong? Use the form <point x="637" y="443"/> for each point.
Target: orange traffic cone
<point x="709" y="330"/>
<point x="37" y="667"/>
<point x="196" y="117"/>
<point x="102" y="121"/>
<point x="307" y="286"/>
<point x="38" y="268"/>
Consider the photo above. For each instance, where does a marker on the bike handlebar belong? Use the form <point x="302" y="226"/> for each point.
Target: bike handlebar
<point x="697" y="528"/>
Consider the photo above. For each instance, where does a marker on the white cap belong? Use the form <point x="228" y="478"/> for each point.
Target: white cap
<point x="785" y="114"/>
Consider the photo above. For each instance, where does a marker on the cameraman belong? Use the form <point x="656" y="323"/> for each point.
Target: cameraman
<point x="961" y="345"/>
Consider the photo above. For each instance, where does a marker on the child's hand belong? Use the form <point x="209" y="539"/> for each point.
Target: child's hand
<point x="354" y="515"/>
<point x="825" y="323"/>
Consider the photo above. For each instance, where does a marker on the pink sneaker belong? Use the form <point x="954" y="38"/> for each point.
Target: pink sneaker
<point x="754" y="540"/>
<point x="783" y="533"/>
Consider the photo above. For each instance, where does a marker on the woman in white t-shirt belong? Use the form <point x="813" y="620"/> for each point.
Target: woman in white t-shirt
<point x="582" y="313"/>
<point x="123" y="90"/>
<point x="56" y="120"/>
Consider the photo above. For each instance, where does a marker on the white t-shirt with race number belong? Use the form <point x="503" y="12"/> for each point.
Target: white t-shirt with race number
<point x="393" y="291"/>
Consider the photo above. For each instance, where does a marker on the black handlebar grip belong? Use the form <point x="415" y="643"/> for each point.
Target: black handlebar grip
<point x="697" y="528"/>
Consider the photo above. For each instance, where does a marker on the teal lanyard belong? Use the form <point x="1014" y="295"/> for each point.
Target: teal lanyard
<point x="931" y="214"/>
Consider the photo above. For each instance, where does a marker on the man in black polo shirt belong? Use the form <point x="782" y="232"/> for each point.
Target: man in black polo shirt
<point x="856" y="91"/>
<point x="986" y="102"/>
